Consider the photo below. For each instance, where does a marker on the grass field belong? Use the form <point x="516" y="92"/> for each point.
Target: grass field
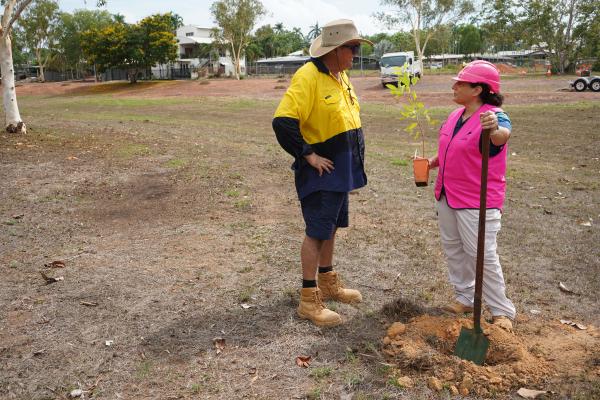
<point x="174" y="214"/>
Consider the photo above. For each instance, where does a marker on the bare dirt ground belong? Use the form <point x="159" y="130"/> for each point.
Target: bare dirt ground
<point x="173" y="210"/>
<point x="435" y="89"/>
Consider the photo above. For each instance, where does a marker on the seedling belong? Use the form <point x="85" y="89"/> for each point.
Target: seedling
<point x="414" y="111"/>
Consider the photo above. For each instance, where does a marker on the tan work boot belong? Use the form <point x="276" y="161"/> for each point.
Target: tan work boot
<point x="456" y="307"/>
<point x="332" y="288"/>
<point x="503" y="322"/>
<point x="311" y="307"/>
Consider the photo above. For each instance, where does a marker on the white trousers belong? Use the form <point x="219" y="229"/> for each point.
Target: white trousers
<point x="458" y="230"/>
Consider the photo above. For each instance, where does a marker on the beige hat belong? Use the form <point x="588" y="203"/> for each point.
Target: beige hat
<point x="335" y="34"/>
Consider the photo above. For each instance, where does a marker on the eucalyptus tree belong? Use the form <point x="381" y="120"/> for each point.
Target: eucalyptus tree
<point x="424" y="17"/>
<point x="11" y="13"/>
<point x="40" y="22"/>
<point x="235" y="20"/>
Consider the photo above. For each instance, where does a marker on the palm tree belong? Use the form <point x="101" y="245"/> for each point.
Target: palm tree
<point x="314" y="31"/>
<point x="278" y="28"/>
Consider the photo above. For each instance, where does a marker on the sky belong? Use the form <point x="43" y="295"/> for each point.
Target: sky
<point x="292" y="13"/>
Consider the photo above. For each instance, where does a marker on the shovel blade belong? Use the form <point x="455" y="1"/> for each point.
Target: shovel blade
<point x="472" y="345"/>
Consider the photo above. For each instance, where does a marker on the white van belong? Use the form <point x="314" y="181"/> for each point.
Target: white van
<point x="391" y="60"/>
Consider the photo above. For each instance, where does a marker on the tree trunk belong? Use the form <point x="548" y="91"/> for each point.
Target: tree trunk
<point x="236" y="61"/>
<point x="38" y="55"/>
<point x="133" y="75"/>
<point x="14" y="124"/>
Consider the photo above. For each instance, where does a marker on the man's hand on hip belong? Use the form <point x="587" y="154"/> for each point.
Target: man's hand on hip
<point x="319" y="163"/>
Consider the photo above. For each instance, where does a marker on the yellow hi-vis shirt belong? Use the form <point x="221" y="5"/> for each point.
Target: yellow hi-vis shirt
<point x="323" y="106"/>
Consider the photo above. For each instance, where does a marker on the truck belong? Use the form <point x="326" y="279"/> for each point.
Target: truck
<point x="389" y="61"/>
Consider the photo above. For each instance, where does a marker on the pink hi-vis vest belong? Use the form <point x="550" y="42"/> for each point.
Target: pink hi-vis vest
<point x="460" y="164"/>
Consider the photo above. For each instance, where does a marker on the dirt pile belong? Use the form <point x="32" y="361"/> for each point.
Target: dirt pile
<point x="509" y="69"/>
<point x="536" y="355"/>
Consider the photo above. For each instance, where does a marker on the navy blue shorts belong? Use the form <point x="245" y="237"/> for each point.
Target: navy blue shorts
<point x="323" y="212"/>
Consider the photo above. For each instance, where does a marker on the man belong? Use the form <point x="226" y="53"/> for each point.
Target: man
<point x="318" y="123"/>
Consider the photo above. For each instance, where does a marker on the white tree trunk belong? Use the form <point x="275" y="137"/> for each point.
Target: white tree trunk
<point x="38" y="55"/>
<point x="14" y="124"/>
<point x="236" y="61"/>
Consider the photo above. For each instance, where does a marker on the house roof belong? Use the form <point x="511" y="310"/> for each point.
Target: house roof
<point x="284" y="60"/>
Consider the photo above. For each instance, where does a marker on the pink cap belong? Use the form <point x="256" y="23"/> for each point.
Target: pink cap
<point x="480" y="71"/>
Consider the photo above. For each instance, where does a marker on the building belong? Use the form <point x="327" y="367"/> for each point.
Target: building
<point x="287" y="65"/>
<point x="191" y="40"/>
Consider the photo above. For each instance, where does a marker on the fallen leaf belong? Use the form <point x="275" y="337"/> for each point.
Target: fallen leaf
<point x="530" y="393"/>
<point x="55" y="264"/>
<point x="50" y="279"/>
<point x="586" y="223"/>
<point x="565" y="289"/>
<point x="303" y="361"/>
<point x="574" y="324"/>
<point x="18" y="216"/>
<point x="245" y="306"/>
<point x="72" y="158"/>
<point x="219" y="343"/>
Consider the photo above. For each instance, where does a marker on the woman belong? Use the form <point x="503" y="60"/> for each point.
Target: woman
<point x="477" y="90"/>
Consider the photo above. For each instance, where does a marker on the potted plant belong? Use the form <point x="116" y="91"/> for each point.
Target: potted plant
<point x="417" y="114"/>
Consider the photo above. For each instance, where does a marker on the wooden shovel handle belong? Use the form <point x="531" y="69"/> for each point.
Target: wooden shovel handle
<point x="485" y="156"/>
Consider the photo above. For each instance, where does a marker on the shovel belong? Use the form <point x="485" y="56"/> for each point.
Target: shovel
<point x="472" y="344"/>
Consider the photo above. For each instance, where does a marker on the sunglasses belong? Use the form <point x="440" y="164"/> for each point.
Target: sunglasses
<point x="355" y="48"/>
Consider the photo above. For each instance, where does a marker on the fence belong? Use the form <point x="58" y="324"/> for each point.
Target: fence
<point x="291" y="68"/>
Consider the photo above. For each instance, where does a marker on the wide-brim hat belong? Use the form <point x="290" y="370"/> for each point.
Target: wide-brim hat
<point x="335" y="34"/>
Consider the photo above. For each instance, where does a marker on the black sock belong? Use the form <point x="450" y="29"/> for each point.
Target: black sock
<point x="323" y="270"/>
<point x="309" y="283"/>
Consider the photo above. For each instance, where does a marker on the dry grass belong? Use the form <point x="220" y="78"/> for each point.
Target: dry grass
<point x="169" y="254"/>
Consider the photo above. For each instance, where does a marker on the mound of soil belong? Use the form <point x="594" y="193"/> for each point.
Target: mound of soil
<point x="508" y="69"/>
<point x="536" y="355"/>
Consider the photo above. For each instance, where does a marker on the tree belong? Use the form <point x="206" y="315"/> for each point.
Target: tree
<point x="314" y="31"/>
<point x="551" y="24"/>
<point x="469" y="39"/>
<point x="501" y="29"/>
<point x="12" y="11"/>
<point x="424" y="16"/>
<point x="402" y="41"/>
<point x="69" y="36"/>
<point x="235" y="20"/>
<point x="39" y="25"/>
<point x="587" y="34"/>
<point x="159" y="41"/>
<point x="176" y="21"/>
<point x="382" y="47"/>
<point x="441" y="41"/>
<point x="135" y="47"/>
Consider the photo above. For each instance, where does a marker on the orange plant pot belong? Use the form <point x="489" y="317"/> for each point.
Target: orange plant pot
<point x="421" y="171"/>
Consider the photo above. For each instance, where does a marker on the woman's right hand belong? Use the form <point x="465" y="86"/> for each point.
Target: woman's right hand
<point x="319" y="163"/>
<point x="433" y="162"/>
